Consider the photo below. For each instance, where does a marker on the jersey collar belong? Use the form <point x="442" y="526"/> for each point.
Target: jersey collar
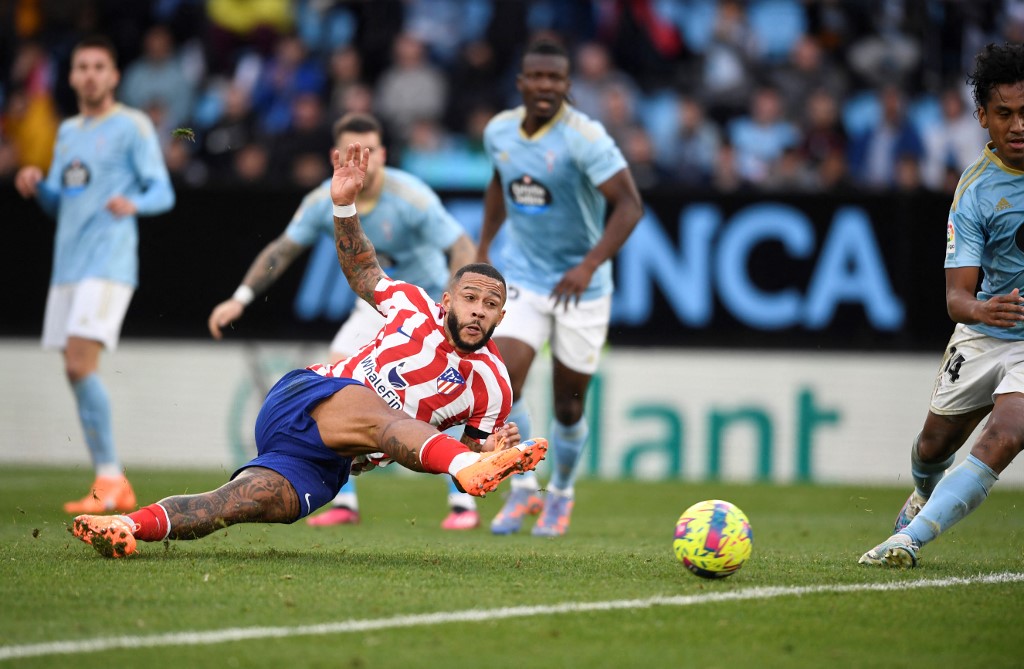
<point x="990" y="153"/>
<point x="543" y="130"/>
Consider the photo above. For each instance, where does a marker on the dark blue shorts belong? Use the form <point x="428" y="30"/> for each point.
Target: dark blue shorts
<point x="288" y="441"/>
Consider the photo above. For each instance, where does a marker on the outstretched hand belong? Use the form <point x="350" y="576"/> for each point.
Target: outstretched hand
<point x="349" y="173"/>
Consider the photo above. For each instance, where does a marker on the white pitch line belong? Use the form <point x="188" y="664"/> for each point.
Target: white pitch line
<point x="472" y="615"/>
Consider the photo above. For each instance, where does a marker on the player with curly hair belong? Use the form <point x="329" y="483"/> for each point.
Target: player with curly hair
<point x="982" y="372"/>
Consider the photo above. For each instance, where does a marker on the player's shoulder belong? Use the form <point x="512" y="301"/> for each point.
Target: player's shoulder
<point x="136" y="118"/>
<point x="391" y="288"/>
<point x="407" y="188"/>
<point x="507" y="120"/>
<point x="578" y="123"/>
<point x="986" y="178"/>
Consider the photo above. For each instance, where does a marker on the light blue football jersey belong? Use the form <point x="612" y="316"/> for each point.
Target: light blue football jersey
<point x="95" y="159"/>
<point x="554" y="212"/>
<point x="409" y="227"/>
<point x="986" y="230"/>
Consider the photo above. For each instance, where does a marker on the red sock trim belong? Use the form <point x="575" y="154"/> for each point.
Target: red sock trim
<point x="437" y="453"/>
<point x="151" y="522"/>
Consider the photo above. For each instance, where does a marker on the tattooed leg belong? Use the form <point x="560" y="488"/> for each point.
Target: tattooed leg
<point x="256" y="495"/>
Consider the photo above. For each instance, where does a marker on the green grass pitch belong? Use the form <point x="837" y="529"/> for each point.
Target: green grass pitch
<point x="273" y="585"/>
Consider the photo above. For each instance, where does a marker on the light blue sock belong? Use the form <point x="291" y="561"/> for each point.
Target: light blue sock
<point x="94" y="415"/>
<point x="954" y="497"/>
<point x="520" y="415"/>
<point x="567" y="442"/>
<point x="927" y="475"/>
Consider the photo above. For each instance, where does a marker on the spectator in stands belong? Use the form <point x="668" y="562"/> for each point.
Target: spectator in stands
<point x="808" y="70"/>
<point x="297" y="155"/>
<point x="345" y="70"/>
<point x="444" y="26"/>
<point x="642" y="40"/>
<point x="445" y="160"/>
<point x="953" y="143"/>
<point x="289" y="74"/>
<point x="410" y="89"/>
<point x="873" y="154"/>
<point x="888" y="51"/>
<point x="29" y="120"/>
<point x="475" y="81"/>
<point x="618" y="111"/>
<point x="638" y="150"/>
<point x="250" y="165"/>
<point x="728" y="68"/>
<point x="235" y="129"/>
<point x="726" y="177"/>
<point x="593" y="75"/>
<point x="235" y="25"/>
<point x="157" y="78"/>
<point x="823" y="135"/>
<point x="358" y="98"/>
<point x="791" y="173"/>
<point x="696" y="145"/>
<point x="761" y="138"/>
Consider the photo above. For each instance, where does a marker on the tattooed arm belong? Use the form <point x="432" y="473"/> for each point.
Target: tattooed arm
<point x="267" y="268"/>
<point x="271" y="263"/>
<point x="356" y="254"/>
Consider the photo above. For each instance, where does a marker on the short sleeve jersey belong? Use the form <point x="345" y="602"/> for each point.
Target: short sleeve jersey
<point x="554" y="211"/>
<point x="95" y="159"/>
<point x="986" y="229"/>
<point x="409" y="227"/>
<point x="413" y="368"/>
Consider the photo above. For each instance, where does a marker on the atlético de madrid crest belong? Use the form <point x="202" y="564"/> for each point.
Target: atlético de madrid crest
<point x="450" y="381"/>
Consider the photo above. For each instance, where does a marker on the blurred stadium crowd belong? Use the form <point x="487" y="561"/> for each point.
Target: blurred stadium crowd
<point x="769" y="95"/>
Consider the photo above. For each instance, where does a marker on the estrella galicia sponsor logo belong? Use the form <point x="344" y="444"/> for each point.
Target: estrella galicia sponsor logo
<point x="450" y="381"/>
<point x="529" y="195"/>
<point x="75" y="177"/>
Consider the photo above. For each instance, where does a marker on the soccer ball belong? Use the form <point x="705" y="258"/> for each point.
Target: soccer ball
<point x="713" y="538"/>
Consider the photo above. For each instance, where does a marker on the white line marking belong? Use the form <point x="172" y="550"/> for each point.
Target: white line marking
<point x="472" y="615"/>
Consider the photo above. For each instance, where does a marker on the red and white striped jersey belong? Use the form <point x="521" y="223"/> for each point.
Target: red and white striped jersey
<point x="413" y="368"/>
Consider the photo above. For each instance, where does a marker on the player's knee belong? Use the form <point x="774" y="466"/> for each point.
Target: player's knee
<point x="999" y="442"/>
<point x="568" y="411"/>
<point x="934" y="446"/>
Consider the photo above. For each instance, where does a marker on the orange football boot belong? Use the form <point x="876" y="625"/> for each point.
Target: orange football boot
<point x="485" y="474"/>
<point x="108" y="493"/>
<point x="111" y="536"/>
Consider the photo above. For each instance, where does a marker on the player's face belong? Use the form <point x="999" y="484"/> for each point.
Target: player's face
<point x="475" y="307"/>
<point x="93" y="77"/>
<point x="1004" y="119"/>
<point x="371" y="141"/>
<point x="543" y="83"/>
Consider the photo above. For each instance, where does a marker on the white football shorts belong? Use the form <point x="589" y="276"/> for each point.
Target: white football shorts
<point x="976" y="368"/>
<point x="359" y="328"/>
<point x="576" y="333"/>
<point x="91" y="309"/>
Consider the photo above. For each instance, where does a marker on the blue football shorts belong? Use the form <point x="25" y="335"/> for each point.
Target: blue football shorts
<point x="288" y="441"/>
